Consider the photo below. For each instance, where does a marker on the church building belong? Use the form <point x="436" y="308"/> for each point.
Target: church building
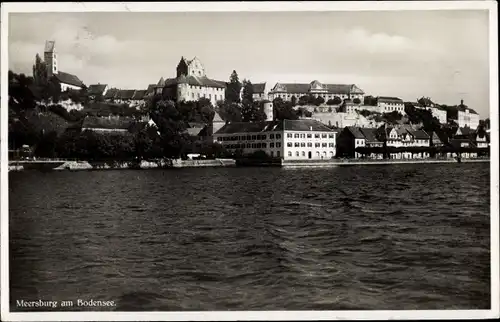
<point x="67" y="80"/>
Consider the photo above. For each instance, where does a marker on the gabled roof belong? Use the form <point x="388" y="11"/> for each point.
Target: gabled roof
<point x="95" y="122"/>
<point x="420" y="134"/>
<point x="370" y="134"/>
<point x="139" y="94"/>
<point x="111" y="93"/>
<point x="356" y="132"/>
<point x="435" y="139"/>
<point x="49" y="46"/>
<point x="97" y="89"/>
<point x="217" y="117"/>
<point x="151" y="88"/>
<point x="125" y="94"/>
<point x="259" y="88"/>
<point x="300" y="88"/>
<point x="466" y="131"/>
<point x="456" y="143"/>
<point x="161" y="82"/>
<point x="199" y="81"/>
<point x="69" y="79"/>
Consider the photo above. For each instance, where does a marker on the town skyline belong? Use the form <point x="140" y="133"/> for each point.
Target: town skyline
<point x="384" y="53"/>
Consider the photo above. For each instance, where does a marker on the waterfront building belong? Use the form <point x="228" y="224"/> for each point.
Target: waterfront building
<point x="404" y="136"/>
<point x="286" y="91"/>
<point x="467" y="117"/>
<point x="352" y="137"/>
<point x="66" y="80"/>
<point x="286" y="139"/>
<point x="462" y="143"/>
<point x="191" y="84"/>
<point x="478" y="137"/>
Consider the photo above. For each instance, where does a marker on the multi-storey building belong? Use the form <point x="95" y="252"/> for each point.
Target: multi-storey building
<point x="353" y="137"/>
<point x="404" y="136"/>
<point x="286" y="139"/>
<point x="191" y="84"/>
<point x="467" y="117"/>
<point x="390" y="104"/>
<point x="66" y="80"/>
<point x="286" y="91"/>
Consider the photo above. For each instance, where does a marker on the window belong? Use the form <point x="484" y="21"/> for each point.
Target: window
<point x="316" y="136"/>
<point x="309" y="144"/>
<point x="263" y="145"/>
<point x="272" y="154"/>
<point x="263" y="137"/>
<point x="271" y="145"/>
<point x="278" y="136"/>
<point x="297" y="153"/>
<point x="323" y="136"/>
<point x="289" y="135"/>
<point x="249" y="145"/>
<point x="331" y="145"/>
<point x="192" y="95"/>
<point x="331" y="136"/>
<point x="271" y="136"/>
<point x="302" y="136"/>
<point x="278" y="144"/>
<point x="254" y="137"/>
<point x="324" y="145"/>
<point x="309" y="136"/>
<point x="289" y="144"/>
<point x="317" y="145"/>
<point x="303" y="153"/>
<point x="289" y="153"/>
<point x="278" y="154"/>
<point x="296" y="136"/>
<point x="303" y="144"/>
<point x="297" y="144"/>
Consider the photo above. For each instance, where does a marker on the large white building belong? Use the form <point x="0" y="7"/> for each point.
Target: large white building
<point x="286" y="139"/>
<point x="467" y="117"/>
<point x="67" y="81"/>
<point x="390" y="104"/>
<point x="191" y="84"/>
<point x="286" y="91"/>
<point x="405" y="136"/>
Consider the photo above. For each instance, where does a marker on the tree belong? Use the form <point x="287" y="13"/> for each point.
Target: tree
<point x="283" y="110"/>
<point x="230" y="112"/>
<point x="233" y="89"/>
<point x="40" y="72"/>
<point x="294" y="100"/>
<point x="319" y="100"/>
<point x="425" y="101"/>
<point x="247" y="91"/>
<point x="337" y="100"/>
<point x="252" y="111"/>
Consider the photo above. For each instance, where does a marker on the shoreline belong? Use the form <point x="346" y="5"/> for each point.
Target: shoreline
<point x="16" y="166"/>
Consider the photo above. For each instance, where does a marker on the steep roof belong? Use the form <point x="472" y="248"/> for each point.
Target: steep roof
<point x="139" y="94"/>
<point x="198" y="81"/>
<point x="370" y="134"/>
<point x="466" y="130"/>
<point x="125" y="94"/>
<point x="96" y="89"/>
<point x="217" y="117"/>
<point x="111" y="93"/>
<point x="259" y="87"/>
<point x="151" y="88"/>
<point x="49" y="46"/>
<point x="435" y="139"/>
<point x="456" y="143"/>
<point x="69" y="79"/>
<point x="420" y="134"/>
<point x="356" y="132"/>
<point x="95" y="122"/>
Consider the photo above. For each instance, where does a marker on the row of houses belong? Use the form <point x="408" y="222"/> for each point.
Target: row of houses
<point x="351" y="138"/>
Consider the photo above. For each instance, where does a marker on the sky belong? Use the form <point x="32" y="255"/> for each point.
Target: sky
<point x="440" y="54"/>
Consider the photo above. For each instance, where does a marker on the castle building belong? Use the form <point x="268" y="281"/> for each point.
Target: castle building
<point x="467" y="117"/>
<point x="191" y="84"/>
<point x="67" y="80"/>
<point x="286" y="91"/>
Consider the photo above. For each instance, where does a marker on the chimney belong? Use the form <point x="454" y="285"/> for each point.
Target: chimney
<point x="461" y="102"/>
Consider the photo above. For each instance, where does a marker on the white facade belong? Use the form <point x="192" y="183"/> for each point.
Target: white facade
<point x="188" y="92"/>
<point x="65" y="87"/>
<point x="441" y="115"/>
<point x="468" y="119"/>
<point x="386" y="106"/>
<point x="288" y="145"/>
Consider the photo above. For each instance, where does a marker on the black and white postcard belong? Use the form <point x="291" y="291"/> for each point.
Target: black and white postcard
<point x="249" y="161"/>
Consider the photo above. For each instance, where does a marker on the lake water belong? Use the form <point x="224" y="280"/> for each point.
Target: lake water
<point x="361" y="237"/>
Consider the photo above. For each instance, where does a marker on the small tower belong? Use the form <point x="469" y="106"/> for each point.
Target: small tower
<point x="268" y="110"/>
<point x="50" y="58"/>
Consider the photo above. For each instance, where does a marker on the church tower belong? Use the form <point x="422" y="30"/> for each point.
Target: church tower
<point x="50" y="58"/>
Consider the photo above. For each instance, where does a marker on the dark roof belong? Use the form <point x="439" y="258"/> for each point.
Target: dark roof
<point x="370" y="134"/>
<point x="139" y="94"/>
<point x="196" y="81"/>
<point x="420" y="134"/>
<point x="331" y="88"/>
<point x="69" y="79"/>
<point x="463" y="107"/>
<point x="259" y="87"/>
<point x="467" y="130"/>
<point x="356" y="132"/>
<point x="151" y="88"/>
<point x="287" y="125"/>
<point x="111" y="93"/>
<point x="96" y="89"/>
<point x="95" y="122"/>
<point x="456" y="143"/>
<point x="125" y="94"/>
<point x="389" y="99"/>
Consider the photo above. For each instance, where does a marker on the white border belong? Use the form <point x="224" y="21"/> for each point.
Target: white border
<point x="254" y="6"/>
